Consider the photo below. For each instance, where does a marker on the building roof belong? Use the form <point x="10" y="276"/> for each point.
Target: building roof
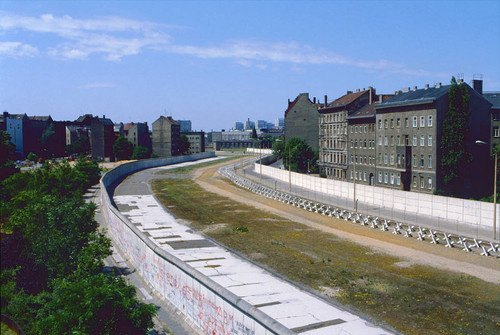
<point x="83" y="117"/>
<point x="415" y="97"/>
<point x="365" y="112"/>
<point x="291" y="104"/>
<point x="345" y="100"/>
<point x="105" y="121"/>
<point x="39" y="118"/>
<point x="493" y="98"/>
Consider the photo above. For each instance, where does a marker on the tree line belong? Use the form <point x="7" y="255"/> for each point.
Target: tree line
<point x="52" y="251"/>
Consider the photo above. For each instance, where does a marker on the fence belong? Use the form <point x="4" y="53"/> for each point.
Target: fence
<point x="207" y="304"/>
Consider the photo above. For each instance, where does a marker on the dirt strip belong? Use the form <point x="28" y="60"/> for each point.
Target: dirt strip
<point x="414" y="251"/>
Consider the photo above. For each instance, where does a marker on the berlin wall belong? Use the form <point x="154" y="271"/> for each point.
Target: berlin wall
<point x="207" y="304"/>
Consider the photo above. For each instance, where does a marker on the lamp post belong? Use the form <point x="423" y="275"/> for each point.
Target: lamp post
<point x="494" y="191"/>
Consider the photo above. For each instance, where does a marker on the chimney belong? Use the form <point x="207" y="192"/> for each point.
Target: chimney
<point x="414" y="88"/>
<point x="460" y="81"/>
<point x="370" y="97"/>
<point x="406" y="89"/>
<point x="477" y="85"/>
<point x="326" y="99"/>
<point x="348" y="92"/>
<point x="314" y="100"/>
<point x="438" y="85"/>
<point x="288" y="102"/>
<point x="381" y="98"/>
<point x="103" y="116"/>
<point x="426" y="86"/>
<point x="357" y="90"/>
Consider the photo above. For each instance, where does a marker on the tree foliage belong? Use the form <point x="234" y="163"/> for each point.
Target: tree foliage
<point x="254" y="133"/>
<point x="80" y="146"/>
<point x="123" y="148"/>
<point x="455" y="134"/>
<point x="279" y="146"/>
<point x="184" y="145"/>
<point x="48" y="140"/>
<point x="141" y="152"/>
<point x="52" y="261"/>
<point x="298" y="155"/>
<point x="7" y="156"/>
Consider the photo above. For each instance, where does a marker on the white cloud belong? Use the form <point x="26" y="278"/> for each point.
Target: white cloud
<point x="17" y="49"/>
<point x="113" y="37"/>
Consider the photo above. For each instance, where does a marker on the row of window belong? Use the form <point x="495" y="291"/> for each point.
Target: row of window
<point x="359" y="159"/>
<point x="397" y="123"/>
<point x="366" y="144"/>
<point x="392" y="178"/>
<point x="401" y="162"/>
<point x="406" y="141"/>
<point x="334" y="117"/>
<point x="370" y="128"/>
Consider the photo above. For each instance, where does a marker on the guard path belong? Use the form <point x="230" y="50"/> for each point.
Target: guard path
<point x="296" y="309"/>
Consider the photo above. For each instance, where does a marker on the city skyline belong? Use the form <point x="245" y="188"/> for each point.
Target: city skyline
<point x="216" y="63"/>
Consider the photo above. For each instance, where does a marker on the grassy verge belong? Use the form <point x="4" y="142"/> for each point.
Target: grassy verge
<point x="190" y="168"/>
<point x="411" y="298"/>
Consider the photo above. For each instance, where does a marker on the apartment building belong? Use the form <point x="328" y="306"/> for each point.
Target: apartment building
<point x="302" y="120"/>
<point x="494" y="99"/>
<point x="166" y="137"/>
<point x="408" y="133"/>
<point x="333" y="131"/>
<point x="196" y="141"/>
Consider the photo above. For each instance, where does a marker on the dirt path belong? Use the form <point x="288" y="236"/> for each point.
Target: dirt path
<point x="413" y="251"/>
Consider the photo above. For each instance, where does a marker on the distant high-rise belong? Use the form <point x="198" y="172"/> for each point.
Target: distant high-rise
<point x="185" y="125"/>
<point x="238" y="126"/>
<point x="280" y="122"/>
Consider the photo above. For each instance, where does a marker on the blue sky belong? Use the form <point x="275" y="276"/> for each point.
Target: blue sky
<point x="217" y="62"/>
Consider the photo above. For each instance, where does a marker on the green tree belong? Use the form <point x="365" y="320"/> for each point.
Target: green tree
<point x="455" y="133"/>
<point x="299" y="155"/>
<point x="268" y="140"/>
<point x="254" y="133"/>
<point x="32" y="157"/>
<point x="141" y="152"/>
<point x="80" y="146"/>
<point x="123" y="148"/>
<point x="279" y="146"/>
<point x="184" y="145"/>
<point x="7" y="156"/>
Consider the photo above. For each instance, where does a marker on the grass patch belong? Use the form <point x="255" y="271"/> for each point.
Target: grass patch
<point x="413" y="299"/>
<point x="189" y="168"/>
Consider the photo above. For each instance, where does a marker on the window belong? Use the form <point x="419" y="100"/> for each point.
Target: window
<point x="386" y="141"/>
<point x="398" y="179"/>
<point x="429" y="140"/>
<point x="422" y="140"/>
<point x="398" y="123"/>
<point x="429" y="121"/>
<point x="407" y="123"/>
<point x="392" y="140"/>
<point x="380" y="177"/>
<point x="356" y="129"/>
<point x="385" y="178"/>
<point x="385" y="158"/>
<point x="392" y="123"/>
<point x="414" y="121"/>
<point x="414" y="140"/>
<point x="429" y="162"/>
<point x="414" y="160"/>
<point x="352" y="128"/>
<point x="380" y="158"/>
<point x="429" y="182"/>
<point x="364" y="176"/>
<point x="407" y="141"/>
<point x="399" y="140"/>
<point x="351" y="174"/>
<point x="352" y="143"/>
<point x="351" y="159"/>
<point x="422" y="121"/>
<point x="392" y="178"/>
<point x="496" y="132"/>
<point x="414" y="181"/>
<point x="379" y="124"/>
<point x="422" y="161"/>
<point x="392" y="159"/>
<point x="365" y="129"/>
<point x="380" y="140"/>
<point x="422" y="182"/>
<point x="399" y="159"/>
<point x="385" y="123"/>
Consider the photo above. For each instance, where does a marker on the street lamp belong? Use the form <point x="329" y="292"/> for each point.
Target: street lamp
<point x="494" y="191"/>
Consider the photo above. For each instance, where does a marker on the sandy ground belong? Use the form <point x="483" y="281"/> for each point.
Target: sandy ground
<point x="412" y="251"/>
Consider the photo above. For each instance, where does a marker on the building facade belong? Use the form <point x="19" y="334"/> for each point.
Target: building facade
<point x="138" y="134"/>
<point x="302" y="120"/>
<point x="166" y="137"/>
<point x="333" y="131"/>
<point x="102" y="138"/>
<point x="196" y="141"/>
<point x="408" y="137"/>
<point x="185" y="125"/>
<point x="494" y="99"/>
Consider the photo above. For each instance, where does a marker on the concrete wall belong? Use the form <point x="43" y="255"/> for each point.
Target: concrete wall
<point x="212" y="308"/>
<point x="457" y="210"/>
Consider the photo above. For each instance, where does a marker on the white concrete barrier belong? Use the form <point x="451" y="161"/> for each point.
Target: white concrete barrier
<point x="207" y="304"/>
<point x="462" y="211"/>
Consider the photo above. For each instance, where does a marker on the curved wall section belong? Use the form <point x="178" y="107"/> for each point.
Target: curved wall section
<point x="212" y="308"/>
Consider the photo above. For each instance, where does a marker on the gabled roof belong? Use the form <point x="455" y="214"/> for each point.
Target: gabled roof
<point x="105" y="121"/>
<point x="365" y="112"/>
<point x="83" y="117"/>
<point x="417" y="97"/>
<point x="290" y="105"/>
<point x="493" y="98"/>
<point x="346" y="99"/>
<point x="39" y="118"/>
